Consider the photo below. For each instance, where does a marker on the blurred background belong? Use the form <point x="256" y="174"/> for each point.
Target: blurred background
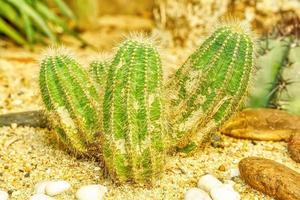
<point x="176" y="22"/>
<point x="88" y="27"/>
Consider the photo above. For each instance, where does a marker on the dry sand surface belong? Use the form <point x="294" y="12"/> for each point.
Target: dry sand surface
<point x="29" y="155"/>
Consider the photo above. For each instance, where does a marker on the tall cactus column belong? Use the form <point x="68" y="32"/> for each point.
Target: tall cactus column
<point x="71" y="100"/>
<point x="133" y="147"/>
<point x="211" y="84"/>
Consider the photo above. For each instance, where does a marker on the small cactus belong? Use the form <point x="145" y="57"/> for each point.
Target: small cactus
<point x="98" y="71"/>
<point x="133" y="119"/>
<point x="71" y="100"/>
<point x="211" y="84"/>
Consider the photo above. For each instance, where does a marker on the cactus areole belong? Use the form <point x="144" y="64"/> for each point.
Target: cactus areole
<point x="210" y="85"/>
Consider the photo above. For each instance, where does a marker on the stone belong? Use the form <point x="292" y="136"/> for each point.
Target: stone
<point x="56" y="187"/>
<point x="196" y="194"/>
<point x="91" y="192"/>
<point x="3" y="195"/>
<point x="41" y="197"/>
<point x="224" y="192"/>
<point x="207" y="182"/>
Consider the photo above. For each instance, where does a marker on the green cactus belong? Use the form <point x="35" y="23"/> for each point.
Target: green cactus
<point x="211" y="85"/>
<point x="71" y="100"/>
<point x="277" y="82"/>
<point x="133" y="114"/>
<point x="288" y="97"/>
<point x="98" y="70"/>
<point x="270" y="66"/>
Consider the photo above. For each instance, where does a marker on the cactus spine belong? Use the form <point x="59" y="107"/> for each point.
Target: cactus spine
<point x="71" y="100"/>
<point x="133" y="143"/>
<point x="211" y="84"/>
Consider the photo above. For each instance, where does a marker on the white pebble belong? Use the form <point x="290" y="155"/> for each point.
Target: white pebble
<point x="40" y="187"/>
<point x="56" y="187"/>
<point x="234" y="172"/>
<point x="229" y="182"/>
<point x="3" y="195"/>
<point x="41" y="197"/>
<point x="91" y="192"/>
<point x="224" y="192"/>
<point x="207" y="182"/>
<point x="196" y="194"/>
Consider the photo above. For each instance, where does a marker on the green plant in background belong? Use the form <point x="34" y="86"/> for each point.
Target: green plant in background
<point x="133" y="113"/>
<point x="211" y="85"/>
<point x="71" y="99"/>
<point x="86" y="11"/>
<point x="277" y="83"/>
<point x="27" y="21"/>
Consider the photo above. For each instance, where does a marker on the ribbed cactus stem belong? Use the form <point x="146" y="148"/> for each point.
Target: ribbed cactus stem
<point x="133" y="114"/>
<point x="71" y="100"/>
<point x="211" y="84"/>
<point x="277" y="83"/>
<point x="98" y="70"/>
<point x="271" y="65"/>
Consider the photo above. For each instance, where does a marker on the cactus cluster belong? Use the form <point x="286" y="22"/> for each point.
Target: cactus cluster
<point x="210" y="85"/>
<point x="125" y="110"/>
<point x="277" y="82"/>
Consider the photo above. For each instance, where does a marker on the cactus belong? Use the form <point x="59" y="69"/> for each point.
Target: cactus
<point x="211" y="85"/>
<point x="288" y="97"/>
<point x="98" y="71"/>
<point x="71" y="100"/>
<point x="277" y="83"/>
<point x="133" y="119"/>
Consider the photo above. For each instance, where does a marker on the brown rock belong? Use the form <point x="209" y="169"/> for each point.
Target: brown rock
<point x="262" y="124"/>
<point x="271" y="178"/>
<point x="222" y="168"/>
<point x="294" y="147"/>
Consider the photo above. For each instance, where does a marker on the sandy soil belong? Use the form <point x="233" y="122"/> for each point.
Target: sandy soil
<point x="29" y="155"/>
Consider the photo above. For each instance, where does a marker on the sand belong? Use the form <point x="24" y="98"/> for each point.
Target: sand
<point x="29" y="155"/>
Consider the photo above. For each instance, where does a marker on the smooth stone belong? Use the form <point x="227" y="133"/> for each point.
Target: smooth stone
<point x="196" y="194"/>
<point x="40" y="187"/>
<point x="56" y="187"/>
<point x="224" y="192"/>
<point x="229" y="182"/>
<point x="91" y="192"/>
<point x="41" y="197"/>
<point x="208" y="182"/>
<point x="233" y="172"/>
<point x="3" y="195"/>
